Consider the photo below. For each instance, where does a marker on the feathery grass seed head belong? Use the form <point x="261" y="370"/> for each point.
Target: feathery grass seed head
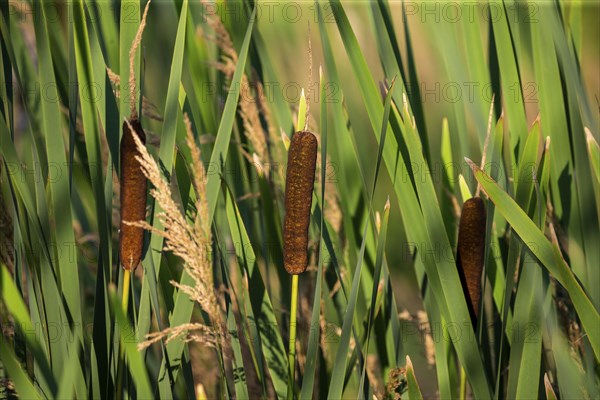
<point x="134" y="45"/>
<point x="189" y="241"/>
<point x="300" y="180"/>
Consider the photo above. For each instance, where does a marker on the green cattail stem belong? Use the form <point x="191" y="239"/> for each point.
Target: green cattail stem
<point x="463" y="384"/>
<point x="292" y="342"/>
<point x="125" y="305"/>
<point x="126" y="283"/>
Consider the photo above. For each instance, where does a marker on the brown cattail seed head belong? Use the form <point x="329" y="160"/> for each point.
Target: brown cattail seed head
<point x="133" y="196"/>
<point x="299" y="184"/>
<point x="471" y="252"/>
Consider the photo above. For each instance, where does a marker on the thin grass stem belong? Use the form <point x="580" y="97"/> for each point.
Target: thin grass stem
<point x="463" y="384"/>
<point x="292" y="343"/>
<point x="125" y="305"/>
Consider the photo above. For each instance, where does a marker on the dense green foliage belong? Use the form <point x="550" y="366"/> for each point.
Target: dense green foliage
<point x="417" y="106"/>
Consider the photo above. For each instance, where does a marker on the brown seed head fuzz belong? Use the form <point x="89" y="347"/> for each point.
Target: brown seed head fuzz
<point x="133" y="196"/>
<point x="300" y="180"/>
<point x="471" y="252"/>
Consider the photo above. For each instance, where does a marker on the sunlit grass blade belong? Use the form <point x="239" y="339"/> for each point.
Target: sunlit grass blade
<point x="17" y="308"/>
<point x="66" y="268"/>
<point x="219" y="153"/>
<point x="594" y="153"/>
<point x="510" y="80"/>
<point x="72" y="377"/>
<point x="23" y="384"/>
<point x="336" y="385"/>
<point x="450" y="292"/>
<point x="345" y="152"/>
<point x="127" y="339"/>
<point x="42" y="273"/>
<point x="239" y="373"/>
<point x="523" y="187"/>
<point x="550" y="395"/>
<point x="414" y="393"/>
<point x="525" y="358"/>
<point x="183" y="306"/>
<point x="337" y="377"/>
<point x="152" y="259"/>
<point x="554" y="117"/>
<point x="465" y="191"/>
<point x="378" y="266"/>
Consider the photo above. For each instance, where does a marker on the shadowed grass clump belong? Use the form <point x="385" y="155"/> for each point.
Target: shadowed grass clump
<point x="300" y="180"/>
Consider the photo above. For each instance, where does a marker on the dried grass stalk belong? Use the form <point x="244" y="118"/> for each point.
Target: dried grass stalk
<point x="134" y="45"/>
<point x="252" y="94"/>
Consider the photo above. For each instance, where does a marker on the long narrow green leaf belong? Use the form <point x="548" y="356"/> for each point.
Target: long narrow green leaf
<point x="414" y="392"/>
<point x="444" y="281"/>
<point x="468" y="351"/>
<point x="17" y="308"/>
<point x="239" y="373"/>
<point x="550" y="395"/>
<point x="266" y="323"/>
<point x="525" y="357"/>
<point x="129" y="343"/>
<point x="71" y="374"/>
<point x="509" y="74"/>
<point x="183" y="307"/>
<point x="337" y="381"/>
<point x="554" y="117"/>
<point x="594" y="153"/>
<point x="152" y="259"/>
<point x="60" y="204"/>
<point x="219" y="154"/>
<point x="378" y="266"/>
<point x="336" y="385"/>
<point x="22" y="383"/>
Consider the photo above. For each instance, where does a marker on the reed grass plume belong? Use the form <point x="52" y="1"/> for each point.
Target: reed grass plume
<point x="249" y="103"/>
<point x="191" y="242"/>
<point x="149" y="109"/>
<point x="136" y="42"/>
<point x="471" y="252"/>
<point x="300" y="180"/>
